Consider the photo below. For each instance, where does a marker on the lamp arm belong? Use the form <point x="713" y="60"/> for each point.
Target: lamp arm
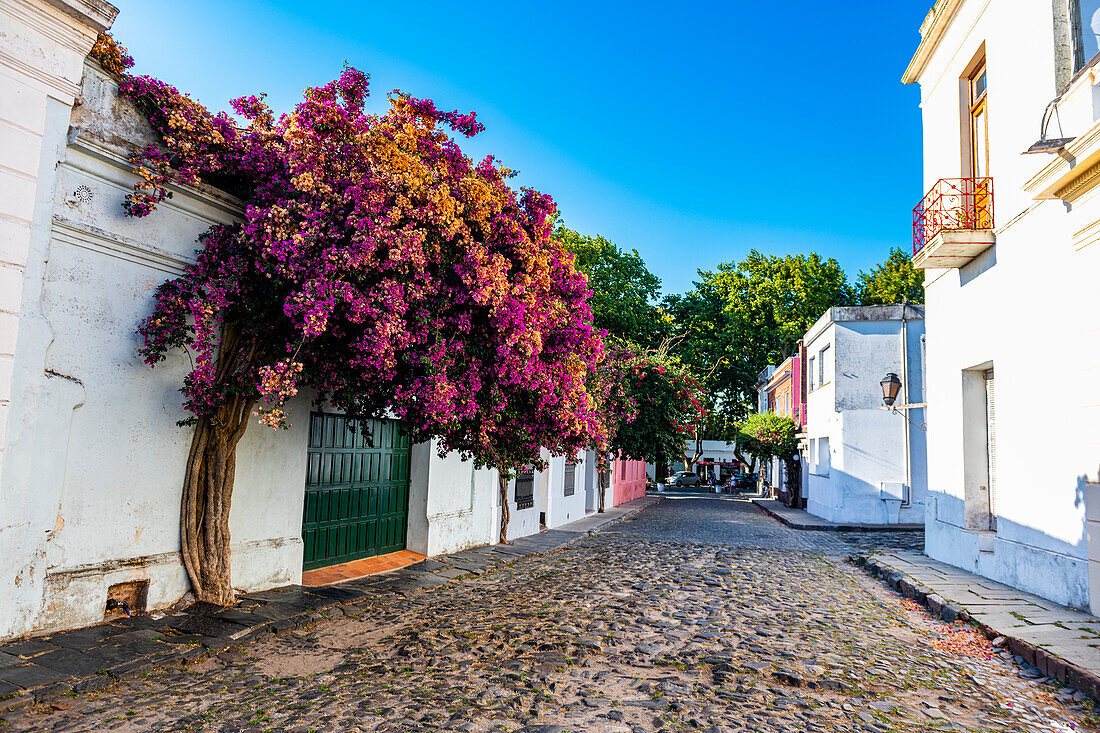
<point x="922" y="426"/>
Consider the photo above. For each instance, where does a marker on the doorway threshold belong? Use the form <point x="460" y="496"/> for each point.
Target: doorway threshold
<point x="360" y="568"/>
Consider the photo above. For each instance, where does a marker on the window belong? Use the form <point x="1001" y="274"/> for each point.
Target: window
<point x="570" y="478"/>
<point x="979" y="123"/>
<point x="824" y="369"/>
<point x="810" y="374"/>
<point x="1085" y="25"/>
<point x="824" y="461"/>
<point x="525" y="489"/>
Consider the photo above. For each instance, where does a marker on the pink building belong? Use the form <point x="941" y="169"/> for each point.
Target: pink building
<point x="627" y="481"/>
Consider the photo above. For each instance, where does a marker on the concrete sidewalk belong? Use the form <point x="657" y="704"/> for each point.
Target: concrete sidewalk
<point x="801" y="519"/>
<point x="45" y="667"/>
<point x="1052" y="640"/>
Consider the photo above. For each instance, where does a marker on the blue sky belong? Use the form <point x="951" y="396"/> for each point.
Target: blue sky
<point x="692" y="132"/>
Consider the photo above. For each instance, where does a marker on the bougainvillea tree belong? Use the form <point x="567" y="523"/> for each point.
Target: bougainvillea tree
<point x="648" y="403"/>
<point x="374" y="264"/>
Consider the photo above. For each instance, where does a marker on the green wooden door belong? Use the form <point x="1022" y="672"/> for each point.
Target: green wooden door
<point x="357" y="492"/>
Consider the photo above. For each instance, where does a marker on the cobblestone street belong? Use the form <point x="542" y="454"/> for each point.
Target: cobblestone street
<point x="700" y="613"/>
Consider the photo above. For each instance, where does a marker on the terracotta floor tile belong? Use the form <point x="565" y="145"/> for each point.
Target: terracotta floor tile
<point x="360" y="568"/>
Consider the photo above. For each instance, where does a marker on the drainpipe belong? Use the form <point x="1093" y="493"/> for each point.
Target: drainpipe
<point x="905" y="396"/>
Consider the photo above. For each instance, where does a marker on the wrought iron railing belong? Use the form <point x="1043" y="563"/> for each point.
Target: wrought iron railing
<point x="953" y="204"/>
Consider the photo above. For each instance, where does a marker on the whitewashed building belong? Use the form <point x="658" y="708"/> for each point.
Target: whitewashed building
<point x="1009" y="245"/>
<point x="91" y="458"/>
<point x="864" y="464"/>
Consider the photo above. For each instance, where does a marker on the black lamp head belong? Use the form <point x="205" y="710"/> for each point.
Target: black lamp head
<point x="891" y="386"/>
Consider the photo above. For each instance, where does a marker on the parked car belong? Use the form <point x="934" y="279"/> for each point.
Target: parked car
<point x="745" y="480"/>
<point x="683" y="478"/>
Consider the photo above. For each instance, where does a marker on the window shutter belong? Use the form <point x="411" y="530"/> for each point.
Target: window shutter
<point x="570" y="478"/>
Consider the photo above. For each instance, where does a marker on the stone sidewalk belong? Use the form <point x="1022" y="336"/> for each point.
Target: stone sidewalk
<point x="82" y="660"/>
<point x="1052" y="640"/>
<point x="801" y="519"/>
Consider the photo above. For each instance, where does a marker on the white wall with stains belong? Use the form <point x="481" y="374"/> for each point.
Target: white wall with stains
<point x="93" y="459"/>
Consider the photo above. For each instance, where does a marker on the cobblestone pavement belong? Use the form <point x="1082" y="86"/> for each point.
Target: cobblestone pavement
<point x="699" y="614"/>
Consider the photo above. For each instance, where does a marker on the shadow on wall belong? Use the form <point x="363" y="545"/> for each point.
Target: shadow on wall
<point x="1016" y="554"/>
<point x="853" y="499"/>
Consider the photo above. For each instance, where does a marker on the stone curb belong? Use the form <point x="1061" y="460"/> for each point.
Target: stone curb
<point x="1049" y="664"/>
<point x="828" y="527"/>
<point x="320" y="600"/>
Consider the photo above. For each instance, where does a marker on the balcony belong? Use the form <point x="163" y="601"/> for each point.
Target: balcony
<point x="953" y="223"/>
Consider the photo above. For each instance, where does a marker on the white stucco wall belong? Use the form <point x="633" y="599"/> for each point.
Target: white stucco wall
<point x="90" y="485"/>
<point x="561" y="509"/>
<point x="867" y="445"/>
<point x="450" y="503"/>
<point x="523" y="522"/>
<point x="1025" y="308"/>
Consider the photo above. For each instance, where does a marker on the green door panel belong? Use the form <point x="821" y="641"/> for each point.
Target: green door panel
<point x="357" y="492"/>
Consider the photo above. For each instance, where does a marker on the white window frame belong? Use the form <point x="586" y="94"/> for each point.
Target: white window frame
<point x="822" y="457"/>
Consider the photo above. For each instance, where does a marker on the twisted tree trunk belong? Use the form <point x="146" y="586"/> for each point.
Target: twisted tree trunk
<point x="208" y="480"/>
<point x="207" y="494"/>
<point x="600" y="482"/>
<point x="502" y="481"/>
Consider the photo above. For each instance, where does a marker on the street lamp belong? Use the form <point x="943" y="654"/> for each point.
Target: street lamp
<point x="891" y="385"/>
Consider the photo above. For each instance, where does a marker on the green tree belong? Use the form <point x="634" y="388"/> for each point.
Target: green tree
<point x="742" y="316"/>
<point x="624" y="291"/>
<point x="765" y="435"/>
<point x="893" y="281"/>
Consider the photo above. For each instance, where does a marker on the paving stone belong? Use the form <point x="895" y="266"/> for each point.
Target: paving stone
<point x="27" y="648"/>
<point x="650" y="625"/>
<point x="73" y="662"/>
<point x="29" y="676"/>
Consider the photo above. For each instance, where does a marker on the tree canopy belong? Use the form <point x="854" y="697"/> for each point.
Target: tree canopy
<point x="742" y="316"/>
<point x="895" y="280"/>
<point x="624" y="291"/>
<point x="766" y="435"/>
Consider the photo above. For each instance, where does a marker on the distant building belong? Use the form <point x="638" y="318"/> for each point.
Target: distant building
<point x="865" y="464"/>
<point x="781" y="390"/>
<point x="717" y="460"/>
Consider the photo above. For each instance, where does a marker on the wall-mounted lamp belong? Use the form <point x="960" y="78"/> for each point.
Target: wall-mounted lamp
<point x="1045" y="144"/>
<point x="891" y="387"/>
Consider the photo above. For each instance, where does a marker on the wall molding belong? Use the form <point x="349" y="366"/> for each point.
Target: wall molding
<point x="97" y="240"/>
<point x="161" y="558"/>
<point x="66" y="89"/>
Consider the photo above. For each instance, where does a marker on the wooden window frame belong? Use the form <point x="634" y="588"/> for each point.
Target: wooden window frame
<point x="977" y="104"/>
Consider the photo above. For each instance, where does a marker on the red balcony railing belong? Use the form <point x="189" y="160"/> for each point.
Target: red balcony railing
<point x="953" y="204"/>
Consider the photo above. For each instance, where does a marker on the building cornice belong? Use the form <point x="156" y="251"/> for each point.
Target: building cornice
<point x="931" y="30"/>
<point x="96" y="14"/>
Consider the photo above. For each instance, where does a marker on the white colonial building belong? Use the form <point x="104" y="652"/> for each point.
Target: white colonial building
<point x="863" y="464"/>
<point x="91" y="458"/>
<point x="1011" y="248"/>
